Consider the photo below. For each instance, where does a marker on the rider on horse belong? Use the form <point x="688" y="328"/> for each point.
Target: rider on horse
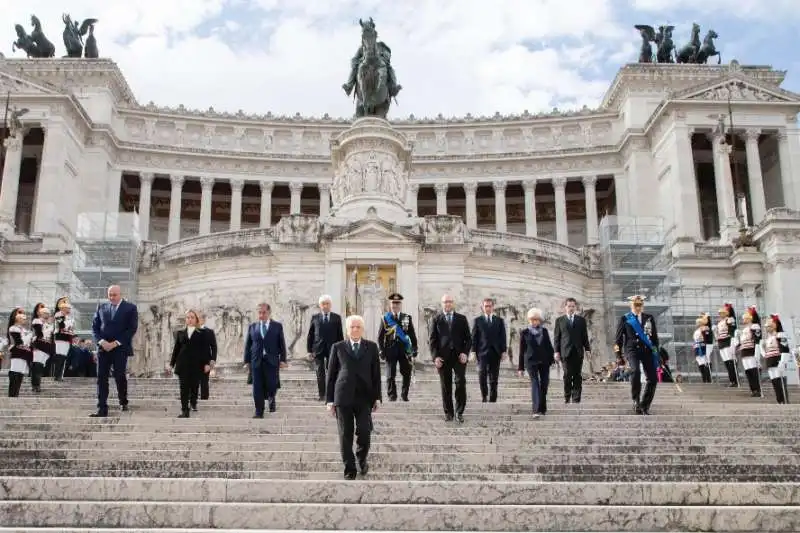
<point x="386" y="56"/>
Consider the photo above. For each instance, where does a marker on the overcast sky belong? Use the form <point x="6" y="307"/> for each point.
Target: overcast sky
<point x="452" y="56"/>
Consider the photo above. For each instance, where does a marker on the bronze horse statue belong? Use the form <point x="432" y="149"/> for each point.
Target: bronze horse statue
<point x="24" y="42"/>
<point x="688" y="54"/>
<point x="44" y="48"/>
<point x="708" y="49"/>
<point x="372" y="88"/>
<point x="73" y="34"/>
<point x="663" y="40"/>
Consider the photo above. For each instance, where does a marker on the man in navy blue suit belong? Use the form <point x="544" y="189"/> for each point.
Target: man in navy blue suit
<point x="114" y="325"/>
<point x="265" y="355"/>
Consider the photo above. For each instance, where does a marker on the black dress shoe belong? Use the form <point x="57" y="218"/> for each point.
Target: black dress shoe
<point x="460" y="418"/>
<point x="184" y="414"/>
<point x="99" y="414"/>
<point x="350" y="475"/>
<point x="644" y="412"/>
<point x="125" y="408"/>
<point x="404" y="398"/>
<point x="258" y="415"/>
<point x="194" y="408"/>
<point x="448" y="418"/>
<point x="567" y="400"/>
<point x="364" y="467"/>
<point x="636" y="408"/>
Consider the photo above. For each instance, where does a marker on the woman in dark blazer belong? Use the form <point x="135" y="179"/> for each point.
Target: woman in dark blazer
<point x="536" y="355"/>
<point x="191" y="358"/>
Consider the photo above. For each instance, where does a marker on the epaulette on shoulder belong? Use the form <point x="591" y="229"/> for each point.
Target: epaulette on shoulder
<point x="15" y="329"/>
<point x="755" y="326"/>
<point x="37" y="321"/>
<point x="781" y="335"/>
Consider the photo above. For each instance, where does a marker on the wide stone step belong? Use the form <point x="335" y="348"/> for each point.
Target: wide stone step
<point x="367" y="491"/>
<point x="409" y="517"/>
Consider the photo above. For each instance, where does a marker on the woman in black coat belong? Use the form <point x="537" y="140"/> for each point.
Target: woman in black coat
<point x="191" y="358"/>
<point x="536" y="355"/>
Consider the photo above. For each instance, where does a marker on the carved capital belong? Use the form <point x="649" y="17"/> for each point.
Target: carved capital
<point x="146" y="178"/>
<point x="295" y="187"/>
<point x="752" y="134"/>
<point x="177" y="180"/>
<point x="499" y="186"/>
<point x="413" y="188"/>
<point x="266" y="187"/>
<point x="207" y="183"/>
<point x="529" y="186"/>
<point x="559" y="182"/>
<point x="13" y="143"/>
<point x="782" y="136"/>
<point x="589" y="182"/>
<point x="325" y="188"/>
<point x="440" y="188"/>
<point x="237" y="184"/>
<point x="470" y="188"/>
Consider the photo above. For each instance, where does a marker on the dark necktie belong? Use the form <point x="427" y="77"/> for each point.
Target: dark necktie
<point x="325" y="318"/>
<point x="355" y="349"/>
<point x="449" y="318"/>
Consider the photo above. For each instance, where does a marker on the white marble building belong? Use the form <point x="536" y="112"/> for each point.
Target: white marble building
<point x="220" y="211"/>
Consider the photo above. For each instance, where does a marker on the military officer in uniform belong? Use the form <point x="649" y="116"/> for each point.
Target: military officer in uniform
<point x="397" y="342"/>
<point x="637" y="340"/>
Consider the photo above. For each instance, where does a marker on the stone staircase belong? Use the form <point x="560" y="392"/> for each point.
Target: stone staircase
<point x="709" y="459"/>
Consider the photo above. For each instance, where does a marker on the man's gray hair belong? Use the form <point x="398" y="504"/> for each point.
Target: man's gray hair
<point x="325" y="298"/>
<point x="354" y="318"/>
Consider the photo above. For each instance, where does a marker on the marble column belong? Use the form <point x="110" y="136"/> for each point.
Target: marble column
<point x="621" y="195"/>
<point x="10" y="188"/>
<point x="719" y="182"/>
<point x="411" y="199"/>
<point x="206" y="187"/>
<point x="145" y="194"/>
<point x="470" y="195"/>
<point x="236" y="204"/>
<point x="441" y="198"/>
<point x="562" y="230"/>
<point x="296" y="190"/>
<point x="590" y="195"/>
<point x="787" y="178"/>
<point x="500" y="220"/>
<point x="174" y="232"/>
<point x="266" y="203"/>
<point x="324" y="200"/>
<point x="755" y="178"/>
<point x="530" y="208"/>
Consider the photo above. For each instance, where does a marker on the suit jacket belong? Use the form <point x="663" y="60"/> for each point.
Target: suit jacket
<point x="191" y="354"/>
<point x="448" y="341"/>
<point x="120" y="327"/>
<point x="628" y="342"/>
<point x="571" y="340"/>
<point x="322" y="336"/>
<point x="348" y="374"/>
<point x="212" y="341"/>
<point x="391" y="347"/>
<point x="489" y="339"/>
<point x="532" y="353"/>
<point x="268" y="350"/>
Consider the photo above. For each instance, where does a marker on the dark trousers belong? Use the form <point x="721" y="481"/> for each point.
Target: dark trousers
<point x="105" y="361"/>
<point x="392" y="362"/>
<point x="648" y="362"/>
<point x="354" y="419"/>
<point x="14" y="383"/>
<point x="37" y="371"/>
<point x="201" y="389"/>
<point x="705" y="373"/>
<point x="488" y="375"/>
<point x="573" y="381"/>
<point x="265" y="387"/>
<point x="733" y="375"/>
<point x="322" y="369"/>
<point x="58" y="364"/>
<point x="188" y="384"/>
<point x="754" y="380"/>
<point x="540" y="379"/>
<point x="452" y="367"/>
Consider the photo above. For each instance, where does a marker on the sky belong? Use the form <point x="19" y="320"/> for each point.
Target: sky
<point x="453" y="57"/>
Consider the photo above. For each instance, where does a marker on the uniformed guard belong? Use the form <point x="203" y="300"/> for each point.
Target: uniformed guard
<point x="749" y="339"/>
<point x="637" y="339"/>
<point x="725" y="332"/>
<point x="703" y="345"/>
<point x="397" y="342"/>
<point x="776" y="351"/>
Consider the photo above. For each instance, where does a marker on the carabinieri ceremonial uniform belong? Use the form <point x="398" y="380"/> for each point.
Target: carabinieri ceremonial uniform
<point x="703" y="345"/>
<point x="726" y="329"/>
<point x="397" y="343"/>
<point x="776" y="351"/>
<point x="637" y="339"/>
<point x="63" y="334"/>
<point x="749" y="339"/>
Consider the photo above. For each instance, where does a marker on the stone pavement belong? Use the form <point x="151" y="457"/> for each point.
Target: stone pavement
<point x="710" y="459"/>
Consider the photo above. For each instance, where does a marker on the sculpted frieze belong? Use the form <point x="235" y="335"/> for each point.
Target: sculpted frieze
<point x="298" y="229"/>
<point x="373" y="169"/>
<point x="444" y="230"/>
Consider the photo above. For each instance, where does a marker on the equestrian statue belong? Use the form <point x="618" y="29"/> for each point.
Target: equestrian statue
<point x="35" y="45"/>
<point x="372" y="75"/>
<point x="697" y="52"/>
<point x="694" y="52"/>
<point x="73" y="37"/>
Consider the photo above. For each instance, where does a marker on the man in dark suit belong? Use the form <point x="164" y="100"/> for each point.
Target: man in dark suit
<point x="490" y="346"/>
<point x="449" y="341"/>
<point x="353" y="393"/>
<point x="637" y="340"/>
<point x="397" y="344"/>
<point x="571" y="341"/>
<point x="203" y="382"/>
<point x="264" y="356"/>
<point x="114" y="325"/>
<point x="325" y="331"/>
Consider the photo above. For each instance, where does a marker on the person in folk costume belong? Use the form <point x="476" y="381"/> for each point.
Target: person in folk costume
<point x="63" y="335"/>
<point x="775" y="347"/>
<point x="702" y="343"/>
<point x="748" y="340"/>
<point x="43" y="347"/>
<point x="19" y="350"/>
<point x="725" y="332"/>
<point x="191" y="358"/>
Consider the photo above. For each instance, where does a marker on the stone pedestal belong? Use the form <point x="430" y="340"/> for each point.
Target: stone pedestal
<point x="371" y="165"/>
